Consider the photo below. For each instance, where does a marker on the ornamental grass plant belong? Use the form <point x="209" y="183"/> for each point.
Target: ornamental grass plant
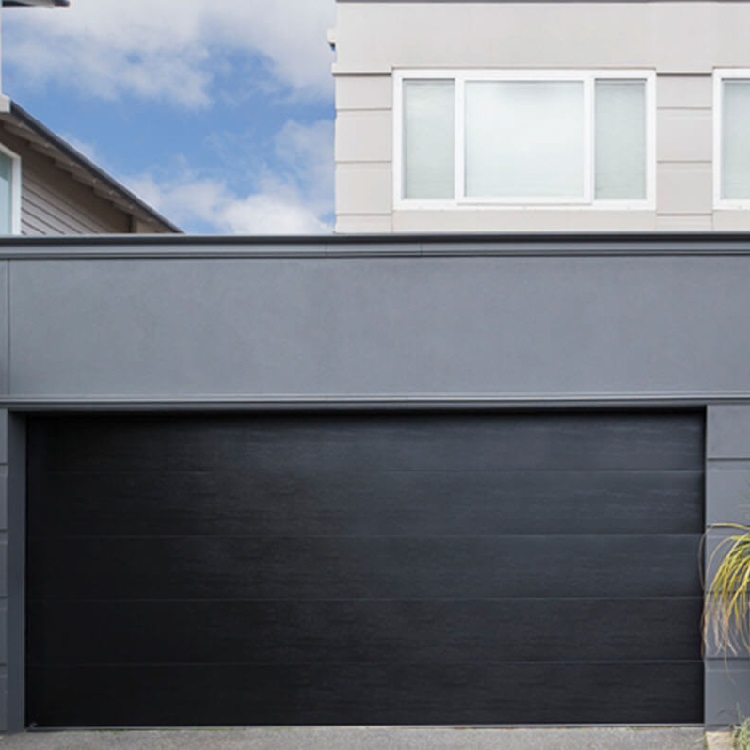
<point x="726" y="615"/>
<point x="741" y="736"/>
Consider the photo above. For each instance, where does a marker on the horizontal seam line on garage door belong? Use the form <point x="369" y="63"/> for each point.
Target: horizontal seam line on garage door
<point x="365" y="536"/>
<point x="296" y="600"/>
<point x="385" y="470"/>
<point x="134" y="665"/>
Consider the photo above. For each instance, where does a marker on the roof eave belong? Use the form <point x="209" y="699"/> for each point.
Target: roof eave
<point x="118" y="193"/>
<point x="36" y="3"/>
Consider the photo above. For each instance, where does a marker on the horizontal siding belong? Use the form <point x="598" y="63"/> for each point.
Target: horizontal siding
<point x="54" y="202"/>
<point x="49" y="208"/>
<point x="43" y="212"/>
<point x="684" y="134"/>
<point x="684" y="153"/>
<point x="684" y="91"/>
<point x="364" y="188"/>
<point x="684" y="188"/>
<point x="684" y="222"/>
<point x="364" y="223"/>
<point x="363" y="92"/>
<point x="364" y="154"/>
<point x="364" y="136"/>
<point x="731" y="221"/>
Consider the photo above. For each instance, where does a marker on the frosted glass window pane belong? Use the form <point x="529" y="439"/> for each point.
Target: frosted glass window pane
<point x="735" y="182"/>
<point x="620" y="158"/>
<point x="429" y="139"/>
<point x="525" y="139"/>
<point x="6" y="174"/>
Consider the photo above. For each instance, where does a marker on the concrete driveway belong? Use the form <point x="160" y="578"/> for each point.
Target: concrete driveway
<point x="366" y="739"/>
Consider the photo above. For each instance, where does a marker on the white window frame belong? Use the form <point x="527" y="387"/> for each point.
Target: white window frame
<point x="720" y="75"/>
<point x="16" y="190"/>
<point x="460" y="201"/>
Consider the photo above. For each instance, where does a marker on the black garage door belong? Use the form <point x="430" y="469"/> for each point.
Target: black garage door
<point x="364" y="569"/>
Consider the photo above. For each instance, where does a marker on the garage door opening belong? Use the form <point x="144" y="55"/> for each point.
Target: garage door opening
<point x="478" y="568"/>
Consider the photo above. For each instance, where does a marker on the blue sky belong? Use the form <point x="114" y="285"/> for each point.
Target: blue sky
<point x="219" y="113"/>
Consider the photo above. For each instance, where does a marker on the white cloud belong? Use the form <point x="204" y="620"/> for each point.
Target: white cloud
<point x="170" y="49"/>
<point x="271" y="214"/>
<point x="305" y="159"/>
<point x="211" y="204"/>
<point x="293" y="197"/>
<point x="83" y="147"/>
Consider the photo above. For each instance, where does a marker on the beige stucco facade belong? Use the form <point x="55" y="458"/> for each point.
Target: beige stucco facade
<point x="683" y="43"/>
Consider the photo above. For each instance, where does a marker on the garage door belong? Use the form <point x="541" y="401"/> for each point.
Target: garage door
<point x="387" y="568"/>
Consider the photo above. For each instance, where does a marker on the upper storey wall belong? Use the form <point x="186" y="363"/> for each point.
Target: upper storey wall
<point x="670" y="37"/>
<point x="681" y="42"/>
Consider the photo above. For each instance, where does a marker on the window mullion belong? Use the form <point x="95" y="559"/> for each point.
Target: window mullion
<point x="460" y="142"/>
<point x="651" y="137"/>
<point x="399" y="125"/>
<point x="589" y="151"/>
<point x="718" y="136"/>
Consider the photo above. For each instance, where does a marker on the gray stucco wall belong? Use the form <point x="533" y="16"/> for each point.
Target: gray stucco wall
<point x="727" y="501"/>
<point x="501" y="321"/>
<point x="407" y="319"/>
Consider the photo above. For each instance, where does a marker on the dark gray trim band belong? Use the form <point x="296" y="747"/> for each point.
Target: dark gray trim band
<point x="151" y="247"/>
<point x="416" y="238"/>
<point x="281" y="403"/>
<point x="458" y="2"/>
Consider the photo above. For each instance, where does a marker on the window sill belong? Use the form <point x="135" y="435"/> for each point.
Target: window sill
<point x="743" y="205"/>
<point x="484" y="206"/>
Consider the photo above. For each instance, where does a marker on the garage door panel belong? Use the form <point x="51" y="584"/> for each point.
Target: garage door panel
<point x="281" y="503"/>
<point x="141" y="444"/>
<point x="364" y="568"/>
<point x="443" y="443"/>
<point x="367" y="567"/>
<point x="395" y="631"/>
<point x="379" y="442"/>
<point x="355" y="694"/>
